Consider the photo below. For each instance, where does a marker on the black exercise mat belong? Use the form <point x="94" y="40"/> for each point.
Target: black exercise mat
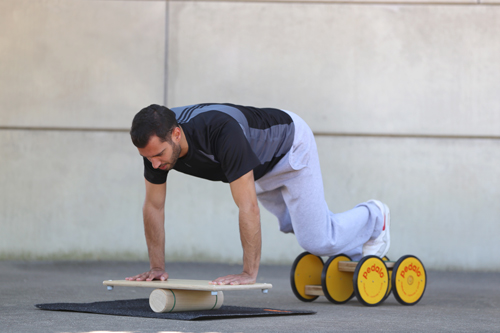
<point x="140" y="308"/>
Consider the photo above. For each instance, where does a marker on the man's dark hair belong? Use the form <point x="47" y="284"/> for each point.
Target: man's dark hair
<point x="153" y="120"/>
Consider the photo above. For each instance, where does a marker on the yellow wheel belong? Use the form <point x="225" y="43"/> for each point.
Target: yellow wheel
<point x="371" y="281"/>
<point x="306" y="270"/>
<point x="386" y="258"/>
<point x="337" y="285"/>
<point x="409" y="280"/>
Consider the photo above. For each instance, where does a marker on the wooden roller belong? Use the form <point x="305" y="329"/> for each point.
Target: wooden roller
<point x="168" y="300"/>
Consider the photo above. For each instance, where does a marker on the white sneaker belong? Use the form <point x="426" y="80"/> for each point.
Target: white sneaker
<point x="380" y="245"/>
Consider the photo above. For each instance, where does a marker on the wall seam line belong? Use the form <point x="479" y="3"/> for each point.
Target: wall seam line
<point x="165" y="61"/>
<point x="316" y="133"/>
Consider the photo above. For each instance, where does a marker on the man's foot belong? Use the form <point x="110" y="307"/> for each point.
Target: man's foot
<point x="380" y="245"/>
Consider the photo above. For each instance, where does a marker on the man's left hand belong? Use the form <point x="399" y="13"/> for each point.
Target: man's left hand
<point x="243" y="278"/>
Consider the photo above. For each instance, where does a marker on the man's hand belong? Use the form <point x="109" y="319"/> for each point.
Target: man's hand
<point x="152" y="274"/>
<point x="243" y="278"/>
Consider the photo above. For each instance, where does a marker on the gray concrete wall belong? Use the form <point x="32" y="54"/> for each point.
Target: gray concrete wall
<point x="401" y="95"/>
<point x="73" y="74"/>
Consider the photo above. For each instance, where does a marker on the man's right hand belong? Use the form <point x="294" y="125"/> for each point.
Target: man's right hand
<point x="152" y="274"/>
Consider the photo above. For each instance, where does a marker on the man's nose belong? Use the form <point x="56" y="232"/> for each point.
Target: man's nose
<point x="155" y="162"/>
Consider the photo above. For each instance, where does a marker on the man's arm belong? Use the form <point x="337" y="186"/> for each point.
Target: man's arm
<point x="154" y="229"/>
<point x="245" y="197"/>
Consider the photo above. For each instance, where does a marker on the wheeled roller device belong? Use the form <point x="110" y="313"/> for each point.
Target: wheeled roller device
<point x="371" y="279"/>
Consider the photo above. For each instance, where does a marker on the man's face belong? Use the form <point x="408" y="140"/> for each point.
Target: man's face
<point x="163" y="155"/>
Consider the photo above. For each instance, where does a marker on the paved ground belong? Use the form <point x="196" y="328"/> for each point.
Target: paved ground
<point x="454" y="302"/>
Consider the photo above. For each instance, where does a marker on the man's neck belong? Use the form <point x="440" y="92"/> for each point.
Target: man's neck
<point x="184" y="144"/>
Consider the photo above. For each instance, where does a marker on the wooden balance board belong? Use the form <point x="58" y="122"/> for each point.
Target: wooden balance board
<point x="176" y="295"/>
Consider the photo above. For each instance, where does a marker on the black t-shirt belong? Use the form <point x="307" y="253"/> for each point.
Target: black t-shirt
<point x="226" y="141"/>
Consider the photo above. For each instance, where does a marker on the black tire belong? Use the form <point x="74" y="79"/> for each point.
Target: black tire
<point x="328" y="290"/>
<point x="294" y="282"/>
<point x="399" y="282"/>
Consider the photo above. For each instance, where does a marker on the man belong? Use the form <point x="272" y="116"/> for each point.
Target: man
<point x="265" y="154"/>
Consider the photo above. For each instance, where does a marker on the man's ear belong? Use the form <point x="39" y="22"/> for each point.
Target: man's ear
<point x="176" y="134"/>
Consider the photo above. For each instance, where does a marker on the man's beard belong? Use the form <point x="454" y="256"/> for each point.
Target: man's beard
<point x="176" y="151"/>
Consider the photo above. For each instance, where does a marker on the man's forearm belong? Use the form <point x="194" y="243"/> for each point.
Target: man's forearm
<point x="154" y="229"/>
<point x="251" y="240"/>
<point x="243" y="191"/>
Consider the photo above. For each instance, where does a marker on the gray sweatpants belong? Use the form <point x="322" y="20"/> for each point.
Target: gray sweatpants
<point x="293" y="192"/>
